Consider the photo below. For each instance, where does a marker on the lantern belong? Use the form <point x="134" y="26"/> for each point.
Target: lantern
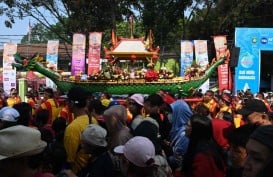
<point x="107" y="56"/>
<point x="133" y="57"/>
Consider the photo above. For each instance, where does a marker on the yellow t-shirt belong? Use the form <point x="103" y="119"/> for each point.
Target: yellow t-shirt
<point x="13" y="100"/>
<point x="75" y="156"/>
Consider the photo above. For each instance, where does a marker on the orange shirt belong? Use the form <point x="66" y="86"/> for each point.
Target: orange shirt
<point x="224" y="109"/>
<point x="53" y="107"/>
<point x="65" y="113"/>
<point x="32" y="103"/>
<point x="212" y="106"/>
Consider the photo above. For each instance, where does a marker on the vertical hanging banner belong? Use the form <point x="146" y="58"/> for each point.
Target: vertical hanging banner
<point x="9" y="74"/>
<point x="201" y="53"/>
<point x="224" y="75"/>
<point x="94" y="52"/>
<point x="52" y="59"/>
<point x="78" y="54"/>
<point x="201" y="58"/>
<point x="186" y="55"/>
<point x="220" y="44"/>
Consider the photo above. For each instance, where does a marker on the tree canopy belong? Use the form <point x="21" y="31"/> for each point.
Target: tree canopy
<point x="170" y="20"/>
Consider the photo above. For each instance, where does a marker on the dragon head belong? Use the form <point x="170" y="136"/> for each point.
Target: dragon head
<point x="22" y="62"/>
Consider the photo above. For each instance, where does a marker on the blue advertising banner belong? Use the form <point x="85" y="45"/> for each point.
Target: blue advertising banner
<point x="251" y="42"/>
<point x="52" y="59"/>
<point x="186" y="55"/>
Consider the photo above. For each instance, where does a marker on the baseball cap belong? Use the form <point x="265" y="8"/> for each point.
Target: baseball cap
<point x="20" y="141"/>
<point x="168" y="99"/>
<point x="138" y="150"/>
<point x="94" y="135"/>
<point x="252" y="105"/>
<point x="9" y="114"/>
<point x="138" y="98"/>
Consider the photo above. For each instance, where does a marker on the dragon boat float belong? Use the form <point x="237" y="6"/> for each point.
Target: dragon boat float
<point x="126" y="49"/>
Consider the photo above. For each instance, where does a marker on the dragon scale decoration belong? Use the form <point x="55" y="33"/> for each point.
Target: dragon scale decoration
<point x="116" y="86"/>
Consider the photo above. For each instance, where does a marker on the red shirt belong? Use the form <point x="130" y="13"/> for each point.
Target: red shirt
<point x="221" y="129"/>
<point x="203" y="165"/>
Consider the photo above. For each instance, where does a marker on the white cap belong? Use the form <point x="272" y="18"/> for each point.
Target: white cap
<point x="138" y="98"/>
<point x="138" y="150"/>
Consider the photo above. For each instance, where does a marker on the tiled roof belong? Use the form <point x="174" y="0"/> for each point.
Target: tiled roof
<point x="30" y="49"/>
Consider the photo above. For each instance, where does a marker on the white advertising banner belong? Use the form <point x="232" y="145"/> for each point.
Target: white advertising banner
<point x="201" y="58"/>
<point x="9" y="73"/>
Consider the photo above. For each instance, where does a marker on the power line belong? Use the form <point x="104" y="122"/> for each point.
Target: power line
<point x="12" y="35"/>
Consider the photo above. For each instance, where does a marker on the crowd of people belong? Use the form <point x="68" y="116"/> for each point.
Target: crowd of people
<point x="156" y="135"/>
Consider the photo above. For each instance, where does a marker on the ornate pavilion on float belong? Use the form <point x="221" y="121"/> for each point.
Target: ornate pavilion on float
<point x="132" y="49"/>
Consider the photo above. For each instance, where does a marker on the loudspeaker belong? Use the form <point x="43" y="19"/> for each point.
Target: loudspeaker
<point x="234" y="57"/>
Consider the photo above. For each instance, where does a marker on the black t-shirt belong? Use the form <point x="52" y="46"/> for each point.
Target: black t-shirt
<point x="101" y="166"/>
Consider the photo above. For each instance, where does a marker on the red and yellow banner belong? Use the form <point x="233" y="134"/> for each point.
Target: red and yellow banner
<point x="224" y="74"/>
<point x="94" y="52"/>
<point x="224" y="77"/>
<point x="78" y="54"/>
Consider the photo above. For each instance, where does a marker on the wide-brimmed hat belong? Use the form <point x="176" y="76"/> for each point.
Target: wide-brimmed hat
<point x="20" y="141"/>
<point x="94" y="135"/>
<point x="252" y="105"/>
<point x="9" y="114"/>
<point x="138" y="150"/>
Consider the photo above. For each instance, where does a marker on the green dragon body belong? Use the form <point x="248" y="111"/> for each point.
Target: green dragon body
<point x="117" y="87"/>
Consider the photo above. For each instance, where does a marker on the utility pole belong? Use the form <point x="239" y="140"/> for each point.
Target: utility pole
<point x="183" y="21"/>
<point x="29" y="36"/>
